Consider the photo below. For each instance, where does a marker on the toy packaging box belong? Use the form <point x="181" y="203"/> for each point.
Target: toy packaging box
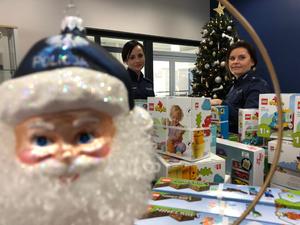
<point x="268" y="115"/>
<point x="289" y="156"/>
<point x="157" y="109"/>
<point x="183" y="130"/>
<point x="287" y="178"/>
<point x="248" y="125"/>
<point x="219" y="117"/>
<point x="211" y="169"/>
<point x="245" y="163"/>
<point x="164" y="215"/>
<point x="296" y="134"/>
<point x="275" y="207"/>
<point x="213" y="143"/>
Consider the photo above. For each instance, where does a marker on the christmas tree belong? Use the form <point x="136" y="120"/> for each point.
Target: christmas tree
<point x="210" y="77"/>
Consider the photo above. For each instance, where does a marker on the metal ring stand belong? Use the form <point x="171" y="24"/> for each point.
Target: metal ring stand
<point x="276" y="86"/>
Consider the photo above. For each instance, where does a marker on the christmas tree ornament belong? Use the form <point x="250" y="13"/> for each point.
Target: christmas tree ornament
<point x="229" y="28"/>
<point x="223" y="63"/>
<point x="67" y="118"/>
<point x="211" y="43"/>
<point x="214" y="54"/>
<point x="215" y="96"/>
<point x="218" y="79"/>
<point x="220" y="9"/>
<point x="216" y="63"/>
<point x="206" y="66"/>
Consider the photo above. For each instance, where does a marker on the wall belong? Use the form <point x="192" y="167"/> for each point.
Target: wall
<point x="277" y="23"/>
<point x="36" y="19"/>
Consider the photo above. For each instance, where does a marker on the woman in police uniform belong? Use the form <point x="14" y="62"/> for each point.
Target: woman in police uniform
<point x="133" y="55"/>
<point x="241" y="61"/>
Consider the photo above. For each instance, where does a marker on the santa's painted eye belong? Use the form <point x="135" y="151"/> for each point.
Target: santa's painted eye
<point x="85" y="138"/>
<point x="41" y="141"/>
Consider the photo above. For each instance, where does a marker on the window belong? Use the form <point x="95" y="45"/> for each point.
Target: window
<point x="168" y="60"/>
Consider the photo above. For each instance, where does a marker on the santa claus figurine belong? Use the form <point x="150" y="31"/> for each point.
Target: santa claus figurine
<point x="74" y="149"/>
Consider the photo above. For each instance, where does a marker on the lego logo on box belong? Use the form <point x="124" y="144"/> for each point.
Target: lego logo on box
<point x="196" y="105"/>
<point x="264" y="101"/>
<point x="151" y="106"/>
<point x="247" y="116"/>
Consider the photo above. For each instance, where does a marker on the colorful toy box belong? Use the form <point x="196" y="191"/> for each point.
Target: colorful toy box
<point x="275" y="207"/>
<point x="296" y="134"/>
<point x="187" y="126"/>
<point x="245" y="163"/>
<point x="286" y="178"/>
<point x="157" y="109"/>
<point x="213" y="143"/>
<point x="219" y="117"/>
<point x="289" y="156"/>
<point x="211" y="169"/>
<point x="268" y="115"/>
<point x="248" y="124"/>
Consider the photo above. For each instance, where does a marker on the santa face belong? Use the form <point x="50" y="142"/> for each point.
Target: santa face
<point x="113" y="192"/>
<point x="64" y="144"/>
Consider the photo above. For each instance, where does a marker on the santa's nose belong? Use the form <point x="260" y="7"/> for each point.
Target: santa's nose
<point x="66" y="153"/>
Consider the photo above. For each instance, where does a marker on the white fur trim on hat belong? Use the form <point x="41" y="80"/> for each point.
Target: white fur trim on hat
<point x="61" y="90"/>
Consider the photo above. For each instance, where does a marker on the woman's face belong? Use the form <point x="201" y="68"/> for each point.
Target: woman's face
<point x="240" y="61"/>
<point x="136" y="60"/>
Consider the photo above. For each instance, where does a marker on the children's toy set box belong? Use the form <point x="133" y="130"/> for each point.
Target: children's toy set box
<point x="211" y="169"/>
<point x="289" y="156"/>
<point x="178" y="201"/>
<point x="268" y="115"/>
<point x="245" y="163"/>
<point x="248" y="126"/>
<point x="296" y="134"/>
<point x="219" y="117"/>
<point x="181" y="126"/>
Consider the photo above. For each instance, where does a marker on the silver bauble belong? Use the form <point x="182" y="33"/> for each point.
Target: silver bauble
<point x="214" y="54"/>
<point x="215" y="96"/>
<point x="211" y="42"/>
<point x="223" y="63"/>
<point x="229" y="28"/>
<point x="206" y="66"/>
<point x="218" y="79"/>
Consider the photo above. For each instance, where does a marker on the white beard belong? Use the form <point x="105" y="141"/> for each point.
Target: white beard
<point x="115" y="192"/>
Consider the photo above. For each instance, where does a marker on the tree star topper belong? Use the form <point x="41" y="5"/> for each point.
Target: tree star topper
<point x="220" y="9"/>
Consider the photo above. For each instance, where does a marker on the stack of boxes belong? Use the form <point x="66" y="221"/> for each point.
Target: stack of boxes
<point x="182" y="131"/>
<point x="287" y="174"/>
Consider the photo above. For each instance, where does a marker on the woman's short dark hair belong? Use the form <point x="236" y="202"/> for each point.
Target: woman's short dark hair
<point x="246" y="45"/>
<point x="127" y="48"/>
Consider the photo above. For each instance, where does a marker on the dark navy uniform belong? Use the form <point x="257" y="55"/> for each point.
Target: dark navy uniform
<point x="244" y="94"/>
<point x="142" y="87"/>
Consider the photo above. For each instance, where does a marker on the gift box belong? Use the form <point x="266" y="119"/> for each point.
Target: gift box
<point x="296" y="134"/>
<point x="268" y="115"/>
<point x="157" y="109"/>
<point x="183" y="129"/>
<point x="245" y="163"/>
<point x="211" y="169"/>
<point x="289" y="155"/>
<point x="248" y="126"/>
<point x="286" y="178"/>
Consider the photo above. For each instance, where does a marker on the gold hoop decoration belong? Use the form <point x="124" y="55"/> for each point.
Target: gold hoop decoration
<point x="276" y="86"/>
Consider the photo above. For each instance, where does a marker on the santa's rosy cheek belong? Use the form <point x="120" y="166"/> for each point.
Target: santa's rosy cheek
<point x="27" y="157"/>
